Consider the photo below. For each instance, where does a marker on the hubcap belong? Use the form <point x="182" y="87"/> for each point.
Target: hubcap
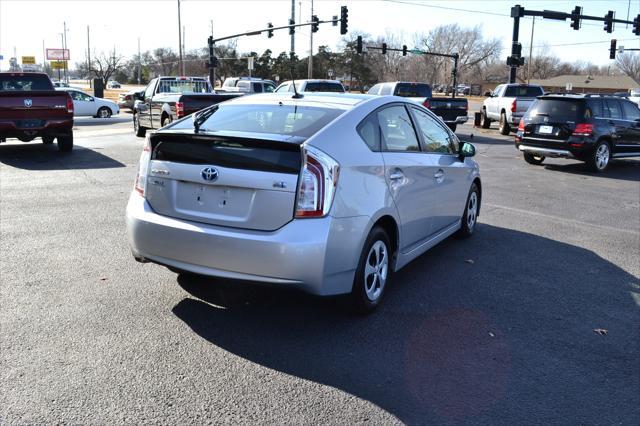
<point x="472" y="210"/>
<point x="375" y="270"/>
<point x="602" y="156"/>
<point x="104" y="113"/>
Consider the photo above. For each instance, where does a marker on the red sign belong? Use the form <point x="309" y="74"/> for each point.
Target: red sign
<point x="58" y="54"/>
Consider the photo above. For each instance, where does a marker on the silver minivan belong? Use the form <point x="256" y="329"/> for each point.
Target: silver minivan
<point x="327" y="193"/>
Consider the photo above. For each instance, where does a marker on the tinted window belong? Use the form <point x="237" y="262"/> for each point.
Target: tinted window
<point x="523" y="91"/>
<point x="386" y="89"/>
<point x="413" y="90"/>
<point x="276" y="119"/>
<point x="556" y="109"/>
<point x="324" y="86"/>
<point x="269" y="88"/>
<point x="397" y="131"/>
<point x="436" y="138"/>
<point x="25" y="82"/>
<point x="593" y="109"/>
<point x="369" y="131"/>
<point x="613" y="108"/>
<point x="257" y="87"/>
<point x="631" y="111"/>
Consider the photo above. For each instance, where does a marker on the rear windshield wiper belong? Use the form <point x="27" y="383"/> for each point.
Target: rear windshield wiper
<point x="201" y="116"/>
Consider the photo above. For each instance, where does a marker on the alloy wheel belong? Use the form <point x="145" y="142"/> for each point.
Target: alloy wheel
<point x="375" y="270"/>
<point x="472" y="210"/>
<point x="602" y="156"/>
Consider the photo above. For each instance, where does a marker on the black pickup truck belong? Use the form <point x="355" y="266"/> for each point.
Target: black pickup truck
<point x="452" y="111"/>
<point x="168" y="98"/>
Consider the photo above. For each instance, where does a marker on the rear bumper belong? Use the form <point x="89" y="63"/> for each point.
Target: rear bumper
<point x="9" y="129"/>
<point x="316" y="255"/>
<point x="547" y="152"/>
<point x="461" y="119"/>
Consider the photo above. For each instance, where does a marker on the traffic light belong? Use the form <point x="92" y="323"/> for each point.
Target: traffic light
<point x="344" y="16"/>
<point x="575" y="17"/>
<point x="384" y="48"/>
<point x="612" y="49"/>
<point x="608" y="21"/>
<point x="359" y="44"/>
<point x="292" y="30"/>
<point x="404" y="50"/>
<point x="636" y="25"/>
<point x="270" y="32"/>
<point x="518" y="50"/>
<point x="314" y="25"/>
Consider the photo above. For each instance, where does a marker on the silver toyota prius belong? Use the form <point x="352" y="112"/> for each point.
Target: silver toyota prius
<point x="328" y="193"/>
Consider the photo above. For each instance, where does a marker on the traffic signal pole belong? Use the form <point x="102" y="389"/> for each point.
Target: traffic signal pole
<point x="514" y="45"/>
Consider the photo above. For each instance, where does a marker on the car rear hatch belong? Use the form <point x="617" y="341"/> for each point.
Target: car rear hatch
<point x="550" y="121"/>
<point x="228" y="179"/>
<point x="31" y="109"/>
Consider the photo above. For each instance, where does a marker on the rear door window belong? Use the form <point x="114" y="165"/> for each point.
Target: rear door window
<point x="397" y="130"/>
<point x="613" y="108"/>
<point x="257" y="87"/>
<point x="593" y="109"/>
<point x="631" y="111"/>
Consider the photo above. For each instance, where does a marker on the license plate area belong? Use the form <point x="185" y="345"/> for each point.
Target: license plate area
<point x="545" y="130"/>
<point x="29" y="124"/>
<point x="213" y="200"/>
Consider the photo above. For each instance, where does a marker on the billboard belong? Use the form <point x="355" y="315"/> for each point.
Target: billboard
<point x="28" y="60"/>
<point x="58" y="54"/>
<point x="58" y="65"/>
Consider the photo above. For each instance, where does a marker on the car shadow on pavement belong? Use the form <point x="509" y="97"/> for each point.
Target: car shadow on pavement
<point x="485" y="138"/>
<point x="37" y="156"/>
<point x="506" y="327"/>
<point x="87" y="122"/>
<point x="626" y="169"/>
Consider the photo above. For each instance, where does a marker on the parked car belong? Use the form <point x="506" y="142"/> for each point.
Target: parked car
<point x="31" y="108"/>
<point x="452" y="111"/>
<point x="87" y="105"/>
<point x="303" y="86"/>
<point x="128" y="99"/>
<point x="590" y="128"/>
<point x="257" y="189"/>
<point x="507" y="104"/>
<point x="166" y="99"/>
<point x="113" y="85"/>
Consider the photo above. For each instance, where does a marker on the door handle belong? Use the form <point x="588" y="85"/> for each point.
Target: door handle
<point x="439" y="174"/>
<point x="397" y="175"/>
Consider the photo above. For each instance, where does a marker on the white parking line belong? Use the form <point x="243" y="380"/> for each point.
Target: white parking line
<point x="562" y="219"/>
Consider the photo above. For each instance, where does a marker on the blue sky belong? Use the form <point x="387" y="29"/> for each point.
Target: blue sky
<point x="25" y="24"/>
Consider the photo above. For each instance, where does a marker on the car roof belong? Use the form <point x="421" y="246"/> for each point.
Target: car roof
<point x="343" y="101"/>
<point x="576" y="96"/>
<point x="311" y="80"/>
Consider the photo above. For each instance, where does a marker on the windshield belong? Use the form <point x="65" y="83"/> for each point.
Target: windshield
<point x="324" y="87"/>
<point x="183" y="86"/>
<point x="523" y="91"/>
<point x="25" y="82"/>
<point x="558" y="110"/>
<point x="413" y="90"/>
<point x="276" y="119"/>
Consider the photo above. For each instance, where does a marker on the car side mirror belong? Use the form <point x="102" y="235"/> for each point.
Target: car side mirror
<point x="466" y="150"/>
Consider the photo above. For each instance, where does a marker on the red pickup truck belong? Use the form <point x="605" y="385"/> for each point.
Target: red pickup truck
<point x="31" y="108"/>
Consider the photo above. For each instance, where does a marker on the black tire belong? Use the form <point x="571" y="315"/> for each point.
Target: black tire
<point x="534" y="159"/>
<point x="137" y="128"/>
<point x="471" y="212"/>
<point x="504" y="127"/>
<point x="104" y="112"/>
<point x="166" y="119"/>
<point x="65" y="143"/>
<point x="453" y="127"/>
<point x="47" y="140"/>
<point x="359" y="300"/>
<point x="485" y="123"/>
<point x="600" y="158"/>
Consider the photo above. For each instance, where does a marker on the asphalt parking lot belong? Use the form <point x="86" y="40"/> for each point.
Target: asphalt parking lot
<point x="534" y="320"/>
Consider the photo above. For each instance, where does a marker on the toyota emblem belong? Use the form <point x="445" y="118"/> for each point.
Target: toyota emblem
<point x="28" y="103"/>
<point x="209" y="174"/>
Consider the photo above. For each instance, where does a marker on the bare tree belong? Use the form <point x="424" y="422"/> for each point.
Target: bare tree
<point x="629" y="63"/>
<point x="106" y="65"/>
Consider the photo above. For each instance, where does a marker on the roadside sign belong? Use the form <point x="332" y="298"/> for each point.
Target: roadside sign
<point x="58" y="65"/>
<point x="250" y="62"/>
<point x="58" y="54"/>
<point x="28" y="60"/>
<point x="568" y="87"/>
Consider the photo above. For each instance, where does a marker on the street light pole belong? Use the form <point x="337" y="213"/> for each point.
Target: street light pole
<point x="180" y="64"/>
<point x="310" y="70"/>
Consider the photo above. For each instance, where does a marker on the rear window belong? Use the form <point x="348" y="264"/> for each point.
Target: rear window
<point x="523" y="91"/>
<point x="557" y="109"/>
<point x="324" y="87"/>
<point x="276" y="119"/>
<point x="25" y="82"/>
<point x="183" y="86"/>
<point x="408" y="90"/>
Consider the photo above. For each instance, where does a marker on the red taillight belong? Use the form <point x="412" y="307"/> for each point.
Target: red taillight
<point x="69" y="104"/>
<point x="513" y="106"/>
<point x="318" y="183"/>
<point x="583" y="129"/>
<point x="521" y="125"/>
<point x="127" y="97"/>
<point x="143" y="166"/>
<point x="426" y="103"/>
<point x="179" y="109"/>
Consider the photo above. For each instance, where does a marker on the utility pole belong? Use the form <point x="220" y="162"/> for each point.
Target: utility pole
<point x="180" y="64"/>
<point x="66" y="74"/>
<point x="44" y="58"/>
<point x="310" y="70"/>
<point x="293" y="18"/>
<point x="533" y="25"/>
<point x="88" y="57"/>
<point x="139" y="61"/>
<point x="61" y="42"/>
